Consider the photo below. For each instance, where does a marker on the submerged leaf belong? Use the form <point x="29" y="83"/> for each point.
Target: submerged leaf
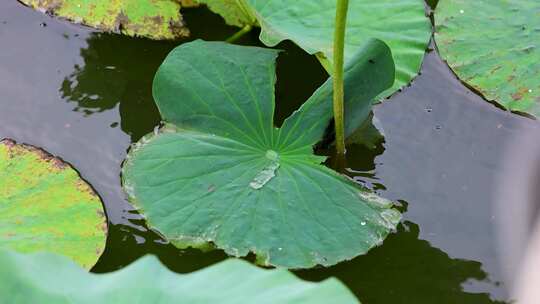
<point x="49" y="279"/>
<point x="45" y="205"/>
<point x="156" y="19"/>
<point x="221" y="173"/>
<point x="494" y="46"/>
<point x="402" y="24"/>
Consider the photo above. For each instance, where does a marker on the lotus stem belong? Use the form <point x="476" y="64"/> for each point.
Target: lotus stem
<point x="246" y="29"/>
<point x="339" y="47"/>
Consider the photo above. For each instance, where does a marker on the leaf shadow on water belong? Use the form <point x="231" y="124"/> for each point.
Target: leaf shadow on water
<point x="118" y="71"/>
<point x="126" y="244"/>
<point x="406" y="269"/>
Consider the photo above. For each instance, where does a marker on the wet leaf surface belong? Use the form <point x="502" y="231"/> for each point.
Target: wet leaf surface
<point x="494" y="47"/>
<point x="219" y="172"/>
<point x="46" y="206"/>
<point x="47" y="278"/>
<point x="156" y="19"/>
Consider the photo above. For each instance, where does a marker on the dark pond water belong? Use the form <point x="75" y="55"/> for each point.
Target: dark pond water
<point x="86" y="96"/>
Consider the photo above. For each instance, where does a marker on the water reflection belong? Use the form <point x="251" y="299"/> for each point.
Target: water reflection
<point x="405" y="269"/>
<point x="125" y="244"/>
<point x="117" y="71"/>
<point x="408" y="270"/>
<point x="363" y="169"/>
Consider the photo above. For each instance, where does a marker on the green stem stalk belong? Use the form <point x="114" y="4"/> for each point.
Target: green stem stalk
<point x="339" y="48"/>
<point x="246" y="29"/>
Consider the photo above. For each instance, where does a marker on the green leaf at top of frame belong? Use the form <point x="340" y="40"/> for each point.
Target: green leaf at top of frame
<point x="156" y="19"/>
<point x="50" y="279"/>
<point x="494" y="46"/>
<point x="402" y="24"/>
<point x="220" y="172"/>
<point x="235" y="12"/>
<point x="46" y="206"/>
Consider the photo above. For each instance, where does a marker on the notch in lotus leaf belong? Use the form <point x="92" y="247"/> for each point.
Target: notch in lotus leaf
<point x="220" y="172"/>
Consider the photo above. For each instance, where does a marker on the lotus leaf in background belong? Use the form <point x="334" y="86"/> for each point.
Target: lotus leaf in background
<point x="156" y="19"/>
<point x="234" y="12"/>
<point x="220" y="172"/>
<point x="402" y="24"/>
<point x="50" y="279"/>
<point x="46" y="206"/>
<point x="494" y="47"/>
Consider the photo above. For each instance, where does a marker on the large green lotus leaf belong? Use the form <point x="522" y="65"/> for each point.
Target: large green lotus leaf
<point x="50" y="279"/>
<point x="494" y="46"/>
<point x="45" y="205"/>
<point x="220" y="172"/>
<point x="156" y="19"/>
<point x="402" y="24"/>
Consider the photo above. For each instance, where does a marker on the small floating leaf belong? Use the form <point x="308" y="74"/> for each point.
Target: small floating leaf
<point x="212" y="174"/>
<point x="402" y="24"/>
<point x="50" y="279"/>
<point x="45" y="205"/>
<point x="156" y="19"/>
<point x="494" y="46"/>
